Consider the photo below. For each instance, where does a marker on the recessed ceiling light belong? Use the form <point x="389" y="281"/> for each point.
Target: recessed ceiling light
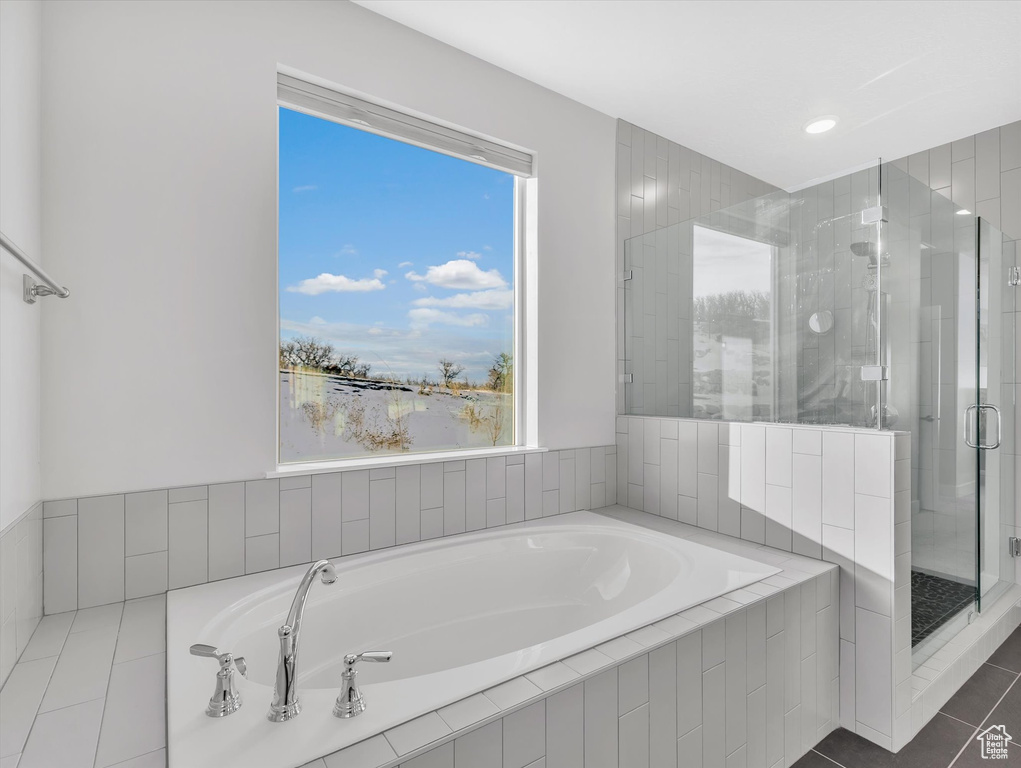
<point x="963" y="212"/>
<point x="820" y="124"/>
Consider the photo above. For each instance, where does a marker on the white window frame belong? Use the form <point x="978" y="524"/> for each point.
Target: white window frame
<point x="337" y="105"/>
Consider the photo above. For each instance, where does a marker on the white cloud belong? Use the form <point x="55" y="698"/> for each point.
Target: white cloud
<point x="348" y="250"/>
<point x="317" y="321"/>
<point x="305" y="188"/>
<point x="405" y="264"/>
<point x="473" y="255"/>
<point x="487" y="247"/>
<point x="485" y="195"/>
<point x="423" y="318"/>
<point x="420" y="287"/>
<point x="326" y="282"/>
<point x="379" y="274"/>
<point x="460" y="274"/>
<point x="489" y="300"/>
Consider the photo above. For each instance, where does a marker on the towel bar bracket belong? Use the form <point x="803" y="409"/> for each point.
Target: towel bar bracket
<point x="33" y="290"/>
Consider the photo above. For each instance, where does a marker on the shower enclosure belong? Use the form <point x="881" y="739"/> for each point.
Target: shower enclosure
<point x="870" y="301"/>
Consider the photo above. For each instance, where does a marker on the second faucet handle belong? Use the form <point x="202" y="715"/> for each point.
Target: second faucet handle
<point x="351" y="702"/>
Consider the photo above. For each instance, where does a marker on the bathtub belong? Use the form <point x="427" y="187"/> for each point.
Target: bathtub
<point x="461" y="614"/>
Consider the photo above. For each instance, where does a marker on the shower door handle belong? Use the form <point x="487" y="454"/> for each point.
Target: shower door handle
<point x="978" y="407"/>
<point x="999" y="426"/>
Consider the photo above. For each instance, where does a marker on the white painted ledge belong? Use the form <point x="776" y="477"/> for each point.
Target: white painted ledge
<point x="398" y="459"/>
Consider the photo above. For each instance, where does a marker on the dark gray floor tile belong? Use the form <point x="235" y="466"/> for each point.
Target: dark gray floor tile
<point x="979" y="695"/>
<point x="936" y="745"/>
<point x="1008" y="713"/>
<point x="814" y="760"/>
<point x="972" y="757"/>
<point x="852" y="751"/>
<point x="1008" y="655"/>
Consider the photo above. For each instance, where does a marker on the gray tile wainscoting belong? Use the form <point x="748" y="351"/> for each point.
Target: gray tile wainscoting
<point x="21" y="586"/>
<point x="105" y="549"/>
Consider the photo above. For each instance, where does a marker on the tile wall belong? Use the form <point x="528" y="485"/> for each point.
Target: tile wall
<point x="980" y="172"/>
<point x="106" y="549"/>
<point x="842" y="495"/>
<point x="21" y="586"/>
<point x="659" y="183"/>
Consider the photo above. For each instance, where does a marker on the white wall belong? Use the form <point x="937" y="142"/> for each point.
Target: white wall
<point x="20" y="73"/>
<point x="160" y="214"/>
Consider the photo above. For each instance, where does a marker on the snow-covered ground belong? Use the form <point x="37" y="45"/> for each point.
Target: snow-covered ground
<point x="324" y="417"/>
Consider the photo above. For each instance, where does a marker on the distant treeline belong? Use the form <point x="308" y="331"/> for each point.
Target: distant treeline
<point x="717" y="307"/>
<point x="313" y="354"/>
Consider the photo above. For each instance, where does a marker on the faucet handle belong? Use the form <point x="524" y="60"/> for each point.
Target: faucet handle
<point x="351" y="659"/>
<point x="226" y="699"/>
<point x="225" y="659"/>
<point x="351" y="702"/>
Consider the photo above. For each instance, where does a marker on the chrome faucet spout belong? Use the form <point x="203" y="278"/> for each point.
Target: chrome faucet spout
<point x="285" y="705"/>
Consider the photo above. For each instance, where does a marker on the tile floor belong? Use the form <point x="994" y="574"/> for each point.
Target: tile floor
<point x="991" y="697"/>
<point x="98" y="678"/>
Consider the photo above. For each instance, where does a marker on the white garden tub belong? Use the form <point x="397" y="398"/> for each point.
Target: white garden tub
<point x="461" y="614"/>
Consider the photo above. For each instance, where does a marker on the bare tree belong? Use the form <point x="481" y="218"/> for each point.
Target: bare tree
<point x="501" y="373"/>
<point x="307" y="352"/>
<point x="449" y="371"/>
<point x="288" y="356"/>
<point x="348" y="365"/>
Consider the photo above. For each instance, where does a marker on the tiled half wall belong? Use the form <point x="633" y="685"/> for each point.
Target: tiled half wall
<point x="21" y="586"/>
<point x="105" y="549"/>
<point x="842" y="495"/>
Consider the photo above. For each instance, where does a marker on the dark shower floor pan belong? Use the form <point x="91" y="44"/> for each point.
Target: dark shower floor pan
<point x="934" y="601"/>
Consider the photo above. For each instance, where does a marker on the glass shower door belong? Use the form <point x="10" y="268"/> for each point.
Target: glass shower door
<point x="992" y="420"/>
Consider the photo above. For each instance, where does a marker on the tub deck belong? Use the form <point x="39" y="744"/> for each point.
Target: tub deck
<point x="123" y="717"/>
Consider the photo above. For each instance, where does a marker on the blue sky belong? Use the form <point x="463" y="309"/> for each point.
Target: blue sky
<point x="393" y="252"/>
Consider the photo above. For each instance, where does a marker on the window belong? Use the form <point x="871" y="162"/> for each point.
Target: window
<point x="397" y="281"/>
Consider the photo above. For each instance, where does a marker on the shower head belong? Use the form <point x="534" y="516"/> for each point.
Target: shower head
<point x="865" y="249"/>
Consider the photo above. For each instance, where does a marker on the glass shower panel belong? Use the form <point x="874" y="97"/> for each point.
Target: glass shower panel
<point x="763" y="311"/>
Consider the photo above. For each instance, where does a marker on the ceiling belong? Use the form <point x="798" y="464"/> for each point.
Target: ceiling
<point x="738" y="80"/>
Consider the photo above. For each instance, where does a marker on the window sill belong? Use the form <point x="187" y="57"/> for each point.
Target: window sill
<point x="370" y="462"/>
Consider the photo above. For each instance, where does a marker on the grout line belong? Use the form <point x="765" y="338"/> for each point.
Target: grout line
<point x="67" y="706"/>
<point x="997" y="666"/>
<point x="106" y="695"/>
<point x="824" y="757"/>
<point x="49" y="678"/>
<point x="984" y="721"/>
<point x="965" y="722"/>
